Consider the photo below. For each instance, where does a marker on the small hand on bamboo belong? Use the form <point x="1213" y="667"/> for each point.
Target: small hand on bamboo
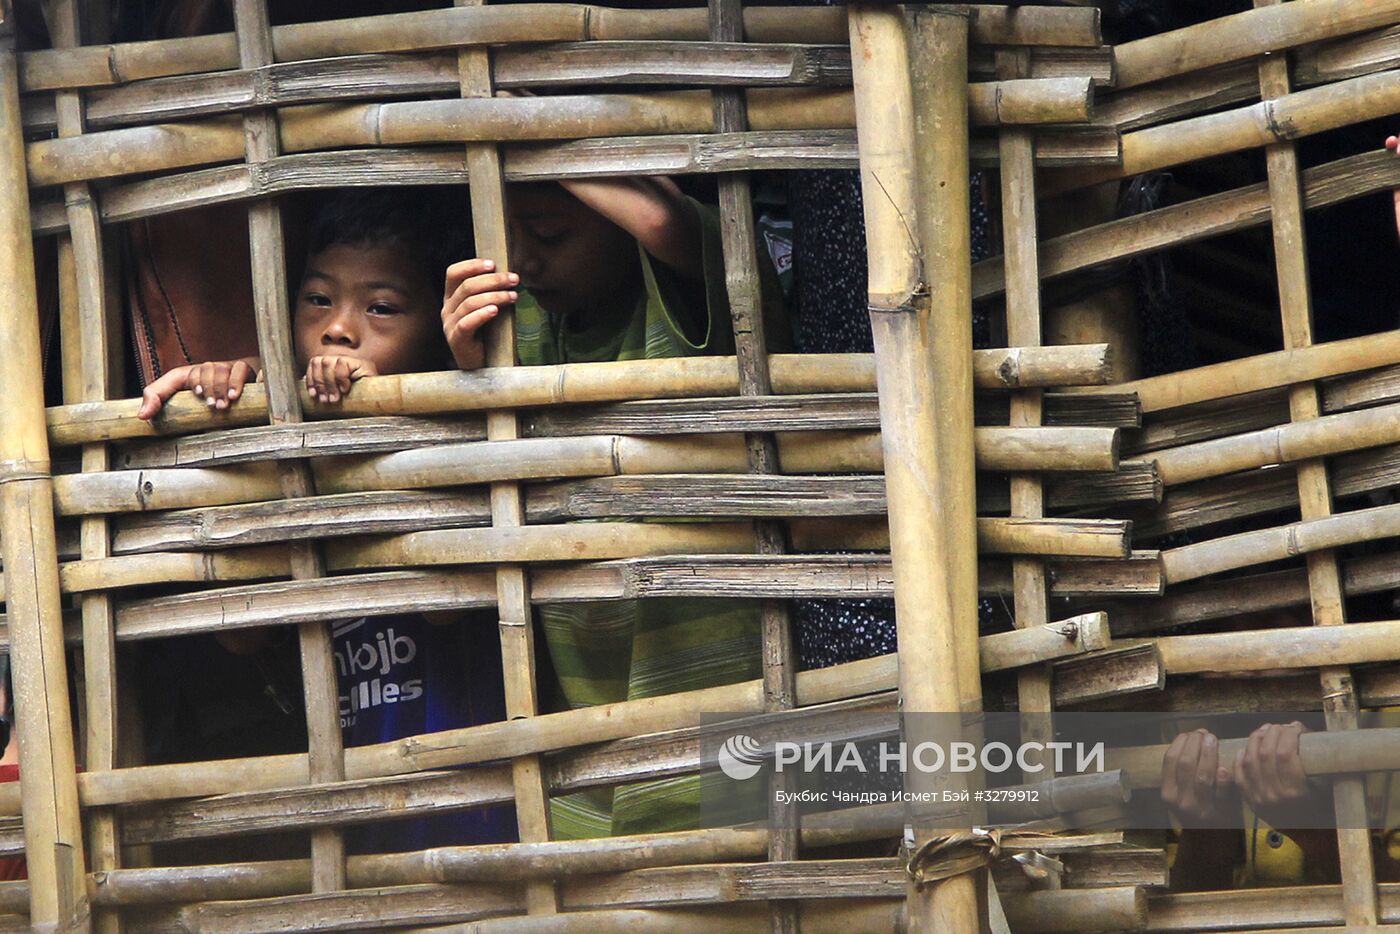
<point x="219" y="383"/>
<point x="473" y="295"/>
<point x="328" y="377"/>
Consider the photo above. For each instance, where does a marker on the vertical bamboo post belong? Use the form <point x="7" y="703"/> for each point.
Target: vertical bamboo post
<point x="1023" y="329"/>
<point x="326" y="751"/>
<point x="486" y="179"/>
<point x="48" y="779"/>
<point x="917" y="452"/>
<point x="751" y="351"/>
<point x="86" y="329"/>
<point x="1360" y="899"/>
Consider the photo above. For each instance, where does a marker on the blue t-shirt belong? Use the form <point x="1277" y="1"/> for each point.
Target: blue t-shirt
<point x="401" y="676"/>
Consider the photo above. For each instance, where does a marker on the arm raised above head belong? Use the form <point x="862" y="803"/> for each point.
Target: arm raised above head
<point x="654" y="211"/>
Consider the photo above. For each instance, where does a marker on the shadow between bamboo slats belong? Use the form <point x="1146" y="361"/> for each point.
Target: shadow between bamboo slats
<point x="105" y="65"/>
<point x="1028" y="100"/>
<point x="1221" y="599"/>
<point x="317" y="127"/>
<point x="1212" y="215"/>
<point x="534" y="387"/>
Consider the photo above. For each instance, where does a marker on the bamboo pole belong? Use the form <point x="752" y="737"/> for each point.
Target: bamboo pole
<point x="85" y="332"/>
<point x="516" y="618"/>
<point x="921" y="520"/>
<point x="1062" y="98"/>
<point x="319" y="127"/>
<point x="52" y="829"/>
<point x="1246" y="35"/>
<point x="1264" y="371"/>
<point x="1340" y="703"/>
<point x="1297" y="647"/>
<point x="272" y="315"/>
<point x="529" y="387"/>
<point x="1296" y="441"/>
<point x="1309" y="536"/>
<point x="104" y="65"/>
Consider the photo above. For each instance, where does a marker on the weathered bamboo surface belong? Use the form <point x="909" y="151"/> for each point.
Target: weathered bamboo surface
<point x="1077" y="475"/>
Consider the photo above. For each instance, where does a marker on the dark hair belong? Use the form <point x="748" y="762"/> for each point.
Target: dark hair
<point x="431" y="225"/>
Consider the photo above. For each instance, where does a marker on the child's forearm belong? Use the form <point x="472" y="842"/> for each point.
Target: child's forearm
<point x="653" y="210"/>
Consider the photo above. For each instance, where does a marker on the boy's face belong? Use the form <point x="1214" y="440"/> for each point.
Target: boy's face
<point x="368" y="302"/>
<point x="570" y="258"/>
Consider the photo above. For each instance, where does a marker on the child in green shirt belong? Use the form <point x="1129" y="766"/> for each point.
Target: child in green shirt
<point x="619" y="269"/>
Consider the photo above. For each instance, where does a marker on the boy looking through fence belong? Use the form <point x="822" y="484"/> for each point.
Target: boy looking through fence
<point x="368" y="305"/>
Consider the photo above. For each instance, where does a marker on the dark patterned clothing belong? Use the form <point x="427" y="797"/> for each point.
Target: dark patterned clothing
<point x="830" y="273"/>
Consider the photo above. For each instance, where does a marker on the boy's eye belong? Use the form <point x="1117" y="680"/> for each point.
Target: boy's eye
<point x="380" y="308"/>
<point x="315" y="298"/>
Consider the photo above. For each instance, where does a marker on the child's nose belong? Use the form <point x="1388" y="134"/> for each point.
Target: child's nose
<point x="340" y="330"/>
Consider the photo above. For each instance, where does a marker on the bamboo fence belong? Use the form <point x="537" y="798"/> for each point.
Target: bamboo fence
<point x="925" y="472"/>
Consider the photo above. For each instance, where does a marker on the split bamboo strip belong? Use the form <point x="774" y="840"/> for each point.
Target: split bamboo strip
<point x="513" y="599"/>
<point x="272" y="316"/>
<point x="526" y="387"/>
<point x="922" y="537"/>
<point x="86" y="331"/>
<point x="1293" y="442"/>
<point x="306" y="128"/>
<point x="1338" y="688"/>
<point x="1023" y="328"/>
<point x="1332" y="183"/>
<point x="1275" y="909"/>
<point x="1247" y="35"/>
<point x="104" y="65"/>
<point x="1247" y="549"/>
<point x="1277" y="590"/>
<point x="737" y="233"/>
<point x="52" y="827"/>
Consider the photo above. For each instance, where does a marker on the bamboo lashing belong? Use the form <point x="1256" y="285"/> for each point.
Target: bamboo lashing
<point x="52" y="829"/>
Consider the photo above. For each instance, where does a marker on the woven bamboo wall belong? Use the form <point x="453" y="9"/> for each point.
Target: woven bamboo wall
<point x="452" y="490"/>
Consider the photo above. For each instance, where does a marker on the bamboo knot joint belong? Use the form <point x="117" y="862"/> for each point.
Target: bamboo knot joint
<point x="1009" y="371"/>
<point x="15" y="470"/>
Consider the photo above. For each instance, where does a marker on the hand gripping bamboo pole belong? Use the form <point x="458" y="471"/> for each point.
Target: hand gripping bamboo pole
<point x="273" y="317"/>
<point x="741" y="277"/>
<point x="86" y="335"/>
<point x="1339" y="697"/>
<point x="507" y="498"/>
<point x="48" y="784"/>
<point x="901" y="317"/>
